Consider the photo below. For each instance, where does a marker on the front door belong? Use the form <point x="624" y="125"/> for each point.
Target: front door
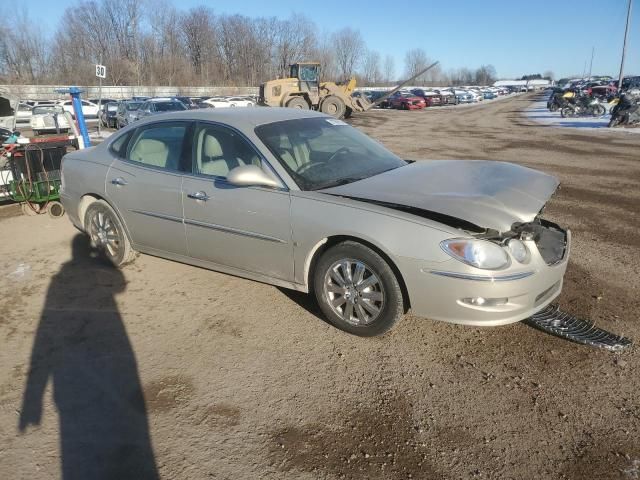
<point x="145" y="184"/>
<point x="241" y="227"/>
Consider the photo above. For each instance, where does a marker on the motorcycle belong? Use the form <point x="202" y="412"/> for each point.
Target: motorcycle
<point x="583" y="107"/>
<point x="556" y="101"/>
<point x="627" y="110"/>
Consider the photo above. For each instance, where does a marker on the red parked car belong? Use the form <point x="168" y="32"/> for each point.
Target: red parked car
<point x="430" y="98"/>
<point x="406" y="101"/>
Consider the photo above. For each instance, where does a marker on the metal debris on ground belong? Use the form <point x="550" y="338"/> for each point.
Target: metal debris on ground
<point x="554" y="321"/>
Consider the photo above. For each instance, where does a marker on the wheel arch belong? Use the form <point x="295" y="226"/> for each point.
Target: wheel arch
<point x="89" y="198"/>
<point x="326" y="243"/>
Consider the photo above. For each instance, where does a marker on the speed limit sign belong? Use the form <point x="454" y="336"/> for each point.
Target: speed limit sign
<point x="101" y="71"/>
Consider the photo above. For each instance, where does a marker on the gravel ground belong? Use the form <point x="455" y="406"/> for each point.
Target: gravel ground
<point x="182" y="373"/>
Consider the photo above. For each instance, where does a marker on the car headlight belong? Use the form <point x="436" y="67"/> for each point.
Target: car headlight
<point x="477" y="253"/>
<point x="518" y="250"/>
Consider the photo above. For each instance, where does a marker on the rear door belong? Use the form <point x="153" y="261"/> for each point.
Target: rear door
<point x="145" y="181"/>
<point x="242" y="227"/>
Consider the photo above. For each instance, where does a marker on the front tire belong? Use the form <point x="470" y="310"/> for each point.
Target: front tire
<point x="297" y="102"/>
<point x="334" y="106"/>
<point x="357" y="290"/>
<point x="107" y="233"/>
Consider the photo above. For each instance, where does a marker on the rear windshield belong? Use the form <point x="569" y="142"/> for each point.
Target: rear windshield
<point x="169" y="106"/>
<point x="133" y="105"/>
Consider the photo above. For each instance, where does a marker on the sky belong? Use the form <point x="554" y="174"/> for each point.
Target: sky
<point x="517" y="37"/>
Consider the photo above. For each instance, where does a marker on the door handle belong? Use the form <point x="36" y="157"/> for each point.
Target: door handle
<point x="119" y="181"/>
<point x="199" y="196"/>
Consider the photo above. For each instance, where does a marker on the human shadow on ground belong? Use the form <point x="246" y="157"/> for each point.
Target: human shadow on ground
<point x="81" y="346"/>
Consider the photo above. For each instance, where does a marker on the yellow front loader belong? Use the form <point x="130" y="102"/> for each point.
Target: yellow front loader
<point x="304" y="90"/>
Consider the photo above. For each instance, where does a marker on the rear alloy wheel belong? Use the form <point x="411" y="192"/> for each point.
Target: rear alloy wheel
<point x="333" y="106"/>
<point x="298" y="102"/>
<point x="357" y="290"/>
<point x="107" y="233"/>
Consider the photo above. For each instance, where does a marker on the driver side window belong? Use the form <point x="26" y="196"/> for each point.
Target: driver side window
<point x="218" y="150"/>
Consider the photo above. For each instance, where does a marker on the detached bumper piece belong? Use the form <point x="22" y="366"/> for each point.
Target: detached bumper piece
<point x="561" y="324"/>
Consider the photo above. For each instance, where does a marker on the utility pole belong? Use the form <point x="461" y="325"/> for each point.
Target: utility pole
<point x="624" y="46"/>
<point x="100" y="99"/>
<point x="593" y="51"/>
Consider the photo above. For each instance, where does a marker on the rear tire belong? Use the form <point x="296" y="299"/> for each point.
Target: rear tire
<point x="357" y="290"/>
<point x="107" y="233"/>
<point x="567" y="112"/>
<point x="55" y="209"/>
<point x="333" y="106"/>
<point x="297" y="102"/>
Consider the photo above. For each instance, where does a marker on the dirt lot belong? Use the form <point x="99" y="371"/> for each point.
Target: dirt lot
<point x="194" y="375"/>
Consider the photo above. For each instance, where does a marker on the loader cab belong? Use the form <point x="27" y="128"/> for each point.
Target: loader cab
<point x="308" y="75"/>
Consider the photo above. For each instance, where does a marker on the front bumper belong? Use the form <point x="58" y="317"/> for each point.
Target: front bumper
<point x="441" y="291"/>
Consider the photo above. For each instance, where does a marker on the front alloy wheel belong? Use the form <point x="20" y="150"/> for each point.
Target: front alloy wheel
<point x="357" y="290"/>
<point x="354" y="291"/>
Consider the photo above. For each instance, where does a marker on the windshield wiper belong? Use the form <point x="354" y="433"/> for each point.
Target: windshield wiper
<point x="340" y="181"/>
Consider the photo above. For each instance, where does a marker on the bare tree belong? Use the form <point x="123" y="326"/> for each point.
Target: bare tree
<point x="325" y="54"/>
<point x="295" y="40"/>
<point x="349" y="47"/>
<point x="371" y="68"/>
<point x="414" y="61"/>
<point x="198" y="36"/>
<point x="485" y="75"/>
<point x="23" y="56"/>
<point x="153" y="42"/>
<point x="389" y="69"/>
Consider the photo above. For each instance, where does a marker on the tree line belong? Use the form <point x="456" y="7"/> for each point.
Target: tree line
<point x="151" y="42"/>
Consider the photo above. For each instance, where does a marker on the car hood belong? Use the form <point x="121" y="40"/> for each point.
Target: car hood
<point x="488" y="194"/>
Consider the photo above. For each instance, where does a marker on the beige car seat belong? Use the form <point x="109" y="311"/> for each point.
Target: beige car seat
<point x="150" y="152"/>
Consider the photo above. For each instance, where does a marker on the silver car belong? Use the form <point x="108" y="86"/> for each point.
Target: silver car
<point x="304" y="201"/>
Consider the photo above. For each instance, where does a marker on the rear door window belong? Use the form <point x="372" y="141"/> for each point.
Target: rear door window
<point x="159" y="145"/>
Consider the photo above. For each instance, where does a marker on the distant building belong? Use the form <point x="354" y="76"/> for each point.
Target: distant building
<point x="539" y="84"/>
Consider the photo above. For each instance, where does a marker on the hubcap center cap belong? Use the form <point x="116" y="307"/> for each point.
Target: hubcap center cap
<point x="102" y="236"/>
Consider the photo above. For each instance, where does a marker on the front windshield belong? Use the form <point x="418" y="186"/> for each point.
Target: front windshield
<point x="324" y="152"/>
<point x="131" y="106"/>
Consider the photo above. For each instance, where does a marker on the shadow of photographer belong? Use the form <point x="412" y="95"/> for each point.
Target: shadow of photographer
<point x="81" y="346"/>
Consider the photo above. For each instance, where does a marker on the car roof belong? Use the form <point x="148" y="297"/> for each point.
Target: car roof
<point x="240" y="118"/>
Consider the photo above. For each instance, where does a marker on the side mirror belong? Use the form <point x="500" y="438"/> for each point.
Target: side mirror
<point x="251" y="176"/>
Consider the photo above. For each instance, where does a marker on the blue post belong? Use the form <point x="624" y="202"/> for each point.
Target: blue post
<point x="77" y="108"/>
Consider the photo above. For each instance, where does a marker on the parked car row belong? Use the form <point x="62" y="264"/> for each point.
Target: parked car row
<point x="117" y="113"/>
<point x="418" y="98"/>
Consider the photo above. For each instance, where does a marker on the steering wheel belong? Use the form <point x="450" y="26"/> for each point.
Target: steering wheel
<point x="307" y="166"/>
<point x="340" y="151"/>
